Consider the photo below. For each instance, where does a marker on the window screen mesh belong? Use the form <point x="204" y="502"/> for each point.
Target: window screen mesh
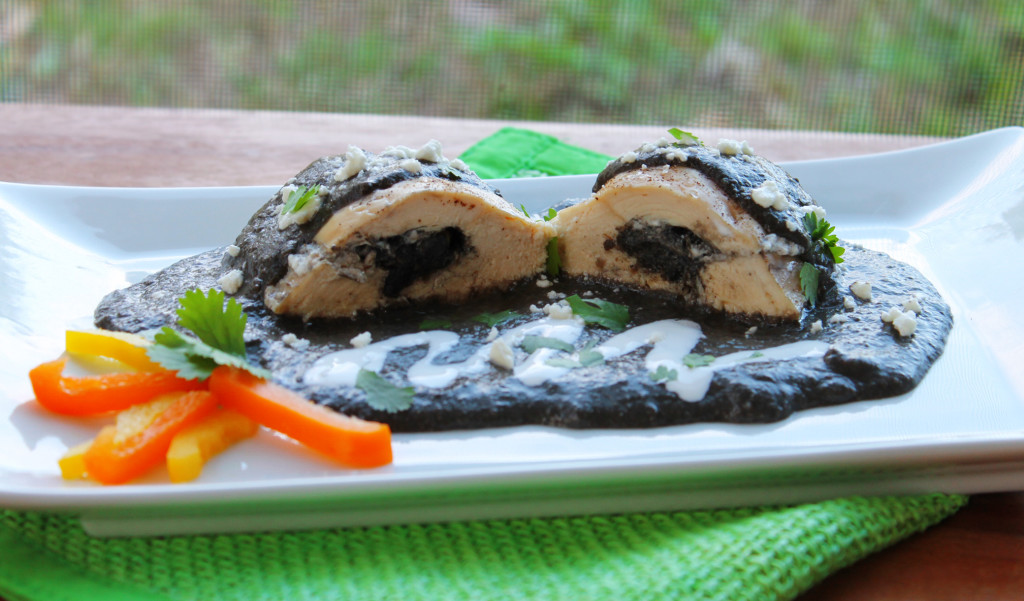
<point x="918" y="66"/>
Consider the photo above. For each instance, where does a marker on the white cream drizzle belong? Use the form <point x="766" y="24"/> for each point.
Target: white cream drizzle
<point x="670" y="340"/>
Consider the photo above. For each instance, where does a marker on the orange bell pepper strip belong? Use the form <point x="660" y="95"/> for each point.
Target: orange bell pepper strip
<point x="95" y="395"/>
<point x="129" y="349"/>
<point x="195" y="445"/>
<point x="123" y="452"/>
<point x="348" y="440"/>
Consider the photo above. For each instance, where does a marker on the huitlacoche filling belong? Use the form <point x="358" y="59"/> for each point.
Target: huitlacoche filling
<point x="408" y="257"/>
<point x="676" y="253"/>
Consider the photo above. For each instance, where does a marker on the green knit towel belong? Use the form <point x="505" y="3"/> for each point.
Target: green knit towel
<point x="730" y="554"/>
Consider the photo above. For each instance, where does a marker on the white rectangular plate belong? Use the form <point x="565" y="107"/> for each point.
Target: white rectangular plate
<point x="954" y="210"/>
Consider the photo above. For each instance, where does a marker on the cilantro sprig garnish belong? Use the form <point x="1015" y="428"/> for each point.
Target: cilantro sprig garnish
<point x="218" y="337"/>
<point x="809" y="276"/>
<point x="435" y="324"/>
<point x="532" y="343"/>
<point x="299" y="198"/>
<point x="550" y="215"/>
<point x="823" y="237"/>
<point x="684" y="137"/>
<point x="493" y="319"/>
<point x="600" y="312"/>
<point x="586" y="357"/>
<point x="381" y="394"/>
<point x="694" y="360"/>
<point x="824" y="245"/>
<point x="664" y="374"/>
<point x="554" y="262"/>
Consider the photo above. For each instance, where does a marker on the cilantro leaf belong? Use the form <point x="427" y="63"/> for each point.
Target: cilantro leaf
<point x="825" y="242"/>
<point x="382" y="394"/>
<point x="299" y="198"/>
<point x="522" y="208"/>
<point x="221" y="327"/>
<point x="600" y="312"/>
<point x="194" y="359"/>
<point x="435" y="324"/>
<point x="809" y="275"/>
<point x="685" y="137"/>
<point x="586" y="357"/>
<point x="493" y="319"/>
<point x="550" y="215"/>
<point x="219" y="332"/>
<point x="554" y="264"/>
<point x="531" y="343"/>
<point x="756" y="355"/>
<point x="664" y="374"/>
<point x="693" y="360"/>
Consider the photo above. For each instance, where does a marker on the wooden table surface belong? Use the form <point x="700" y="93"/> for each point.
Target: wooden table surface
<point x="976" y="554"/>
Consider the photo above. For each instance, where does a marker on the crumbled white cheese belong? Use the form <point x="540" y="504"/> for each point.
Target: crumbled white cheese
<point x="647" y="147"/>
<point x="492" y="335"/>
<point x="891" y="315"/>
<point x="849" y="304"/>
<point x="232" y="250"/>
<point x="231" y="281"/>
<point x="558" y="311"/>
<point x="535" y="309"/>
<point x="838" y="318"/>
<point x="411" y="165"/>
<point x="430" y="152"/>
<point x="861" y="290"/>
<point x="355" y="161"/>
<point x="628" y="158"/>
<point x="912" y="304"/>
<point x="750" y="331"/>
<point x="663" y="142"/>
<point x="543" y="282"/>
<point x="361" y="340"/>
<point x="300" y="264"/>
<point x="294" y="341"/>
<point x="676" y="154"/>
<point x="459" y="164"/>
<point x="816" y="326"/>
<point x="554" y="295"/>
<point x="768" y="195"/>
<point x="733" y="147"/>
<point x="905" y="324"/>
<point x="398" y="152"/>
<point x="819" y="212"/>
<point x="773" y="244"/>
<point x="502" y="355"/>
<point x="791" y="226"/>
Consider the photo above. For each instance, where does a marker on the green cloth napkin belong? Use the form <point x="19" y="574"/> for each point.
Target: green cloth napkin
<point x="729" y="554"/>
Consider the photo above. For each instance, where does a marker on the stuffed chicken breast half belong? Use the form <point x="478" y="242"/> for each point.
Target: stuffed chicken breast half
<point x="359" y="231"/>
<point x="719" y="227"/>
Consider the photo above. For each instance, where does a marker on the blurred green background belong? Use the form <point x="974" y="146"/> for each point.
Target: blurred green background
<point x="918" y="66"/>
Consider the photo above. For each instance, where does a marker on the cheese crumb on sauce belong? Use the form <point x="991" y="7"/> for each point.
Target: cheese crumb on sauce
<point x="501" y="354"/>
<point x="362" y="340"/>
<point x="861" y="290"/>
<point x="231" y="281"/>
<point x="768" y="195"/>
<point x="355" y="161"/>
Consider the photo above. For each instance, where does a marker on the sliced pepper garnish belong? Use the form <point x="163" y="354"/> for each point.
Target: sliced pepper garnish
<point x="348" y="440"/>
<point x="142" y="436"/>
<point x="129" y="349"/>
<point x="95" y="395"/>
<point x="195" y="445"/>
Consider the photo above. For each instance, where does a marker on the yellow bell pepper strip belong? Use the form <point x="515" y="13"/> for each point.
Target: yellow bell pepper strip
<point x="95" y="395"/>
<point x="348" y="440"/>
<point x="72" y="464"/>
<point x="194" y="446"/>
<point x="139" y="442"/>
<point x="129" y="349"/>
